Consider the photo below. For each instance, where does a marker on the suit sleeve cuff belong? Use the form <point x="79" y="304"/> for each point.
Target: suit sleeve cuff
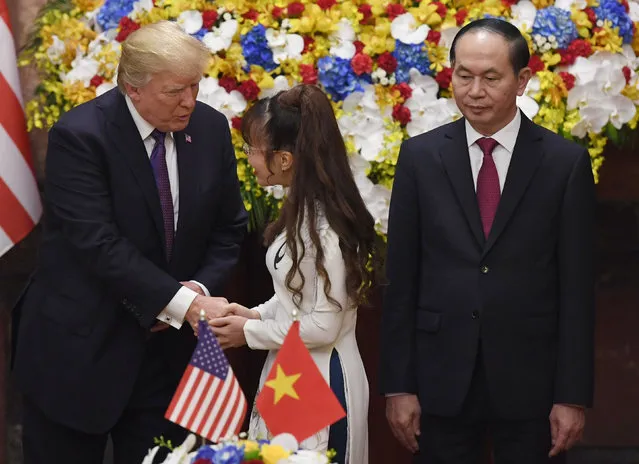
<point x="175" y="311"/>
<point x="202" y="286"/>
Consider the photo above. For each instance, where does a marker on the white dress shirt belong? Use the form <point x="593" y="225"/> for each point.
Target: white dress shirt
<point x="503" y="152"/>
<point x="175" y="311"/>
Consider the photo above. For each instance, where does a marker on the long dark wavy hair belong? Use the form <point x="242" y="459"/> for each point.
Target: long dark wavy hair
<point x="301" y="121"/>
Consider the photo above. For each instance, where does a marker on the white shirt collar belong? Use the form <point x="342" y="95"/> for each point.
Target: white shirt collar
<point x="144" y="127"/>
<point x="506" y="136"/>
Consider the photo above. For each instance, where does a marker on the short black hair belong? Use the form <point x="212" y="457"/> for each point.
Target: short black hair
<point x="519" y="53"/>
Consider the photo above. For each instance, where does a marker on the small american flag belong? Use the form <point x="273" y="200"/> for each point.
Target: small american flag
<point x="188" y="138"/>
<point x="209" y="401"/>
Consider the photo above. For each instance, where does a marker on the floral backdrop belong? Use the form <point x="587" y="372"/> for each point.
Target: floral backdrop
<point x="384" y="64"/>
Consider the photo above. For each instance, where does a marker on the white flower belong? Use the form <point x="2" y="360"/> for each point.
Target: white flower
<point x="423" y="85"/>
<point x="524" y="14"/>
<point x="139" y="7"/>
<point x="277" y="191"/>
<point x="55" y="51"/>
<point x="533" y="87"/>
<point x="568" y="4"/>
<point x="363" y="122"/>
<point x="279" y="83"/>
<point x="634" y="10"/>
<point x="104" y="88"/>
<point x="405" y="29"/>
<point x="82" y="69"/>
<point x="148" y="459"/>
<point x="191" y="21"/>
<point x="617" y="110"/>
<point x="342" y="40"/>
<point x="284" y="46"/>
<point x="307" y="457"/>
<point x="228" y="103"/>
<point x="428" y="114"/>
<point x="221" y="38"/>
<point x="376" y="197"/>
<point x="528" y="105"/>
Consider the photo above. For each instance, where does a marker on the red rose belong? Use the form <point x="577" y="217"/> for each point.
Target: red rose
<point x="401" y="114"/>
<point x="536" y="64"/>
<point x="252" y="14"/>
<point x="394" y="10"/>
<point x="97" y="80"/>
<point x="236" y="123"/>
<point x="387" y="62"/>
<point x="308" y="73"/>
<point x="309" y="42"/>
<point x="209" y="18"/>
<point x="627" y="73"/>
<point x="202" y="461"/>
<point x="592" y="17"/>
<point x="359" y="46"/>
<point x="326" y="4"/>
<point x="127" y="26"/>
<point x="228" y="83"/>
<point x="365" y="10"/>
<point x="444" y="78"/>
<point x="362" y="64"/>
<point x="460" y="17"/>
<point x="509" y="3"/>
<point x="625" y="5"/>
<point x="277" y="12"/>
<point x="404" y="90"/>
<point x="434" y="36"/>
<point x="569" y="79"/>
<point x="567" y="57"/>
<point x="441" y="9"/>
<point x="249" y="89"/>
<point x="580" y="47"/>
<point x="295" y="9"/>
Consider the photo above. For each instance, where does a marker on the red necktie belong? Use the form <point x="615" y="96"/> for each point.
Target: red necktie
<point x="488" y="190"/>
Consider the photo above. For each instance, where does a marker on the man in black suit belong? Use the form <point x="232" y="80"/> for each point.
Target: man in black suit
<point x="144" y="220"/>
<point x="489" y="313"/>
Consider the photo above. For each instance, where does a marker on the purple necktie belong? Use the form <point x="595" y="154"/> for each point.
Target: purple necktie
<point x="488" y="191"/>
<point x="161" y="173"/>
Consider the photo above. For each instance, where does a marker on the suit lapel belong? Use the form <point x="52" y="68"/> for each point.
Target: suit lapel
<point x="526" y="158"/>
<point x="188" y="163"/>
<point x="125" y="136"/>
<point x="456" y="162"/>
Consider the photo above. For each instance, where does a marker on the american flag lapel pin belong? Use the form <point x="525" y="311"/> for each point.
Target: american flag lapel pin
<point x="187" y="137"/>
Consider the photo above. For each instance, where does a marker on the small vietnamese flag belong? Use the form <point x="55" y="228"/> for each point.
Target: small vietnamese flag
<point x="295" y="398"/>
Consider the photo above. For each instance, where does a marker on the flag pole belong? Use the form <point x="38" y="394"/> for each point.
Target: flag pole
<point x="203" y="319"/>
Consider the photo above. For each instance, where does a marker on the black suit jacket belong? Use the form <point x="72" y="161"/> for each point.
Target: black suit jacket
<point x="102" y="276"/>
<point x="525" y="292"/>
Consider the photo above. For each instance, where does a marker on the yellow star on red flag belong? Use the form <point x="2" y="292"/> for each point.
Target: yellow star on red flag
<point x="282" y="384"/>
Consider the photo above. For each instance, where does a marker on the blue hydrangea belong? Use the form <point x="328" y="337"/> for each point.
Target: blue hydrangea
<point x="229" y="455"/>
<point x="615" y="12"/>
<point x="201" y="33"/>
<point x="555" y="22"/>
<point x="205" y="453"/>
<point x="337" y="77"/>
<point x="112" y="11"/>
<point x="256" y="50"/>
<point x="410" y="56"/>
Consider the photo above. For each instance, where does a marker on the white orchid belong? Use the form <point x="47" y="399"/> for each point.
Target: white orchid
<point x="634" y="10"/>
<point x="423" y="84"/>
<point x="83" y="68"/>
<point x="406" y="29"/>
<point x="104" y="87"/>
<point x="524" y="14"/>
<point x="228" y="103"/>
<point x="617" y="110"/>
<point x="428" y="114"/>
<point x="191" y="21"/>
<point x="603" y="69"/>
<point x="139" y="7"/>
<point x="376" y="197"/>
<point x="55" y="50"/>
<point x="307" y="457"/>
<point x="528" y="105"/>
<point x="284" y="46"/>
<point x="279" y="83"/>
<point x="342" y="40"/>
<point x="363" y="122"/>
<point x="221" y="37"/>
<point x="569" y="4"/>
<point x="182" y="454"/>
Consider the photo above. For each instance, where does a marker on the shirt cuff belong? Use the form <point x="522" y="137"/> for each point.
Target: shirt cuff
<point x="175" y="311"/>
<point x="202" y="286"/>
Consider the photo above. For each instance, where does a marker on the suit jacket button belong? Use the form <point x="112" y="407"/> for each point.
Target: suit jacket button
<point x="475" y="314"/>
<point x="484" y="269"/>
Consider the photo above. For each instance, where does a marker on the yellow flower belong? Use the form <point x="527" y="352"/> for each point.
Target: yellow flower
<point x="607" y="39"/>
<point x="273" y="453"/>
<point x="581" y="20"/>
<point x="426" y="13"/>
<point x="551" y="59"/>
<point x="539" y="4"/>
<point x="250" y="446"/>
<point x="86" y="6"/>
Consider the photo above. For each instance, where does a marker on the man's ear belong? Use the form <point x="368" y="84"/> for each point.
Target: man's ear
<point x="132" y="92"/>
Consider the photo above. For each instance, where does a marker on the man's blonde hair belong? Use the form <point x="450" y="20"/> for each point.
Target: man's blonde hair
<point x="158" y="47"/>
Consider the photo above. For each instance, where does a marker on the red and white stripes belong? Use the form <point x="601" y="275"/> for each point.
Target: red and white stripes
<point x="20" y="207"/>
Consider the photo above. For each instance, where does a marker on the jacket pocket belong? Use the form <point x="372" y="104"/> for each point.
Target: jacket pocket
<point x="428" y="321"/>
